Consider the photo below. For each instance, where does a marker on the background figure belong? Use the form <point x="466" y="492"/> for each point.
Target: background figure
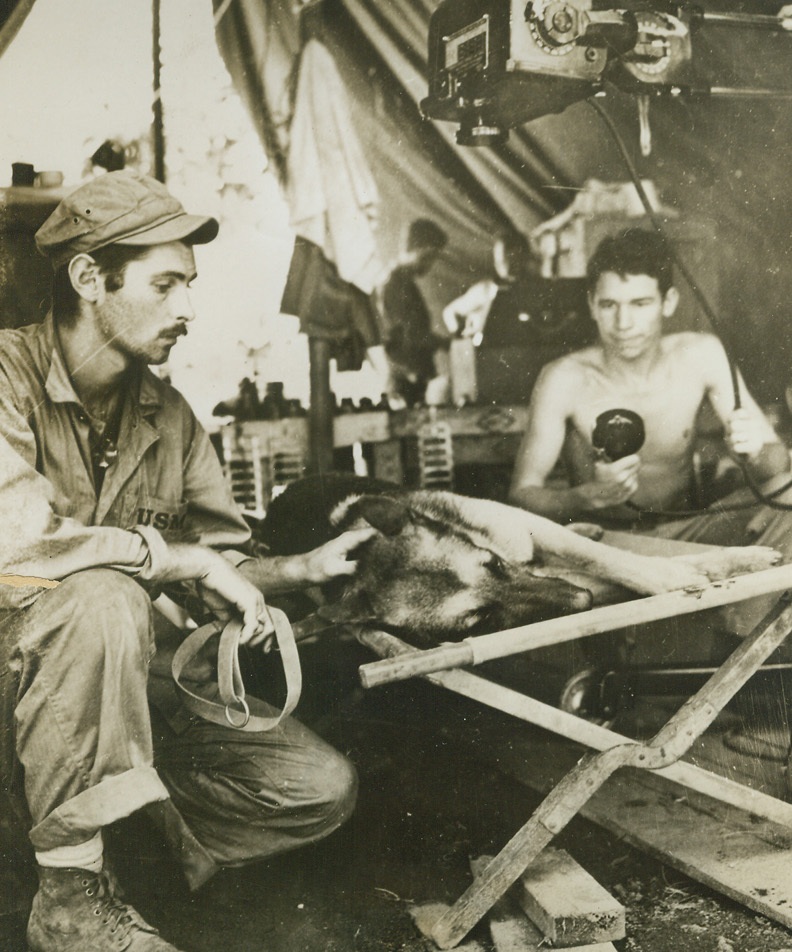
<point x="498" y="301"/>
<point x="410" y="342"/>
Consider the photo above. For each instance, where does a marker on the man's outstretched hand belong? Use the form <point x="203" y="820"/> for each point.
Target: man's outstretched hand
<point x="332" y="559"/>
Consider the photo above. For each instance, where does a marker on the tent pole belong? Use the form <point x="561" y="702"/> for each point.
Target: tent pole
<point x="158" y="125"/>
<point x="320" y="415"/>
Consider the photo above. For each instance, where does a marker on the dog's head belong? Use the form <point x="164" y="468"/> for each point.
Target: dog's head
<point x="436" y="581"/>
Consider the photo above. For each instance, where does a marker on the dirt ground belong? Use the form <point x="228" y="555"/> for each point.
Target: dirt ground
<point x="427" y="803"/>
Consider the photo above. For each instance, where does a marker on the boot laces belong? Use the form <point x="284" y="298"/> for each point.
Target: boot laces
<point x="118" y="915"/>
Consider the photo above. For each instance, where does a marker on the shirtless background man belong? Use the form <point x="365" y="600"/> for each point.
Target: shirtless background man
<point x="666" y="379"/>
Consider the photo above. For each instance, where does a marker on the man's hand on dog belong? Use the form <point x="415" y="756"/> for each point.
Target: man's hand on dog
<point x="333" y="558"/>
<point x="225" y="591"/>
<point x="613" y="483"/>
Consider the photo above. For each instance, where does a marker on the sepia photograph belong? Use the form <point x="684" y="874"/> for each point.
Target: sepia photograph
<point x="395" y="476"/>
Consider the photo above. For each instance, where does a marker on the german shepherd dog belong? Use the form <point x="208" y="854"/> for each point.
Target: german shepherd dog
<point x="444" y="566"/>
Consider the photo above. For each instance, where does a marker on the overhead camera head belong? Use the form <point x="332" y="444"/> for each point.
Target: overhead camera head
<point x="494" y="64"/>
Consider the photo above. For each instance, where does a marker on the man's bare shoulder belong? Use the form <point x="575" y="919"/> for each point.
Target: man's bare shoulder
<point x="691" y="344"/>
<point x="572" y="367"/>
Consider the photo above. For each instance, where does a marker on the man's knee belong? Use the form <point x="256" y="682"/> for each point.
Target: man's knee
<point x="335" y="790"/>
<point x="108" y="590"/>
<point x="322" y="802"/>
<point x="320" y="799"/>
<point x="254" y="803"/>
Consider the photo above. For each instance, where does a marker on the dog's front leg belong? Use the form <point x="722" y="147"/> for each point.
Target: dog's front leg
<point x="734" y="560"/>
<point x="647" y="575"/>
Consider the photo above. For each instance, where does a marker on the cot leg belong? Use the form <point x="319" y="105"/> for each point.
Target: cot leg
<point x="588" y="775"/>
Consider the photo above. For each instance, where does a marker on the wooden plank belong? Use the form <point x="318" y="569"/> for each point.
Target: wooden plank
<point x="560" y="806"/>
<point x="512" y="931"/>
<point x="290" y="429"/>
<point x="555" y="631"/>
<point x="348" y="428"/>
<point x="567" y="904"/>
<point x="368" y="427"/>
<point x="426" y="915"/>
<point x="463" y="421"/>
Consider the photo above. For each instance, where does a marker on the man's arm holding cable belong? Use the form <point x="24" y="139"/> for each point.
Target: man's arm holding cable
<point x="749" y="435"/>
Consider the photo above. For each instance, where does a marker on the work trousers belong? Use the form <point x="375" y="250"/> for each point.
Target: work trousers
<point x="77" y="741"/>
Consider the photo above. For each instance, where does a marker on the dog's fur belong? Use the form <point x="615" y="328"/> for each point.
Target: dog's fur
<point x="444" y="566"/>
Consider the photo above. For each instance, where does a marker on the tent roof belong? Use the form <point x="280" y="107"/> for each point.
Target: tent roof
<point x="723" y="161"/>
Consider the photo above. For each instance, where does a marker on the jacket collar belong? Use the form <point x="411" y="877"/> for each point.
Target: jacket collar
<point x="58" y="382"/>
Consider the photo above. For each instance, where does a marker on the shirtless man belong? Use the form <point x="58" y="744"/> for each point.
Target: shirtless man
<point x="666" y="379"/>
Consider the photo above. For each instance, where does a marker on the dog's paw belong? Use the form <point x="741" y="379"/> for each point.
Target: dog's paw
<point x="657" y="575"/>
<point x="737" y="560"/>
<point x="589" y="530"/>
<point x="672" y="575"/>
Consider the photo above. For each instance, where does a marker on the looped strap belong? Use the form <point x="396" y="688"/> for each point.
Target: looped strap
<point x="234" y="708"/>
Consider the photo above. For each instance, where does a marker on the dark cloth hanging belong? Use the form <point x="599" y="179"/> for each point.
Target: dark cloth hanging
<point x="329" y="307"/>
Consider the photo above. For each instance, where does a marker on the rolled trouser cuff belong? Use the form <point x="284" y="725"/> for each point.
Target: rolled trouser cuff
<point x="112" y="799"/>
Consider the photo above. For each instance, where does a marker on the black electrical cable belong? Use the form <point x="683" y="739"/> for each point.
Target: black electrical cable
<point x="768" y="499"/>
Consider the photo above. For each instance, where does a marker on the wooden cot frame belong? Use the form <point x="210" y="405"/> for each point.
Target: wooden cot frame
<point x="611" y="750"/>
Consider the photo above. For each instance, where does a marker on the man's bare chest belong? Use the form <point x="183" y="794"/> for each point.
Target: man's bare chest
<point x="668" y="402"/>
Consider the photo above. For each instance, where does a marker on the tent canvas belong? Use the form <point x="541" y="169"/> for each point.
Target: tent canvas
<point x="721" y="161"/>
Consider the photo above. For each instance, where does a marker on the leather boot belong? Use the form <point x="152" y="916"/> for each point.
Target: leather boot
<point x="76" y="910"/>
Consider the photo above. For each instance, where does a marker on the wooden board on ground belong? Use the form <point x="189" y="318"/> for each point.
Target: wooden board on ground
<point x="426" y="915"/>
<point x="512" y="931"/>
<point x="567" y="904"/>
<point x="729" y="850"/>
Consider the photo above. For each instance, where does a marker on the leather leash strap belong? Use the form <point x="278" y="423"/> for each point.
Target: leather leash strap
<point x="234" y="709"/>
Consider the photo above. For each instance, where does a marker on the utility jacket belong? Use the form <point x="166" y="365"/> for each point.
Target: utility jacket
<point x="165" y="484"/>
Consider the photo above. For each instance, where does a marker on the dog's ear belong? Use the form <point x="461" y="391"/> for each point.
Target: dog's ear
<point x="352" y="608"/>
<point x="387" y="515"/>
